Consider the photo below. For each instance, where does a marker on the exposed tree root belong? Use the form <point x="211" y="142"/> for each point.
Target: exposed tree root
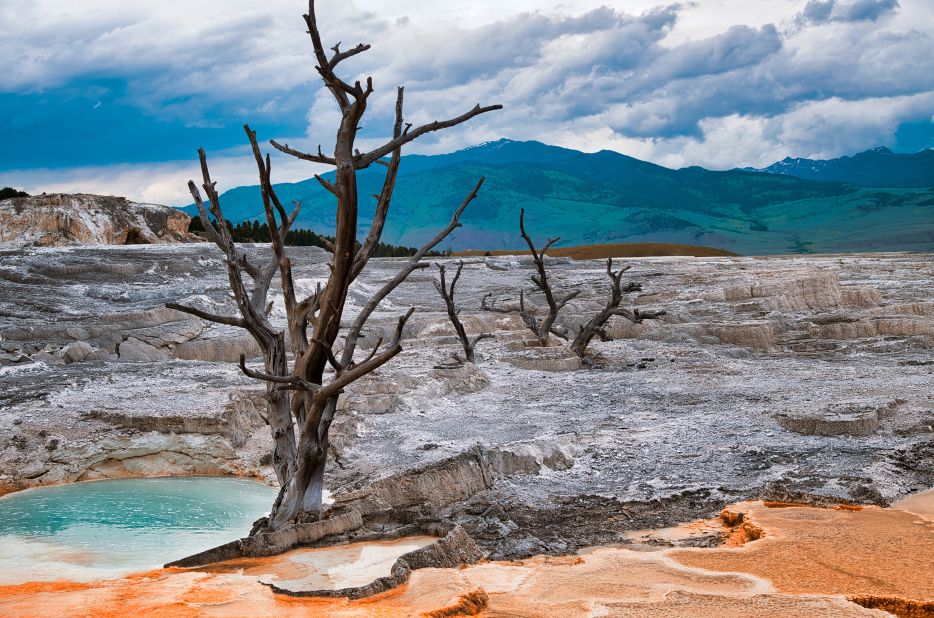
<point x="265" y="544"/>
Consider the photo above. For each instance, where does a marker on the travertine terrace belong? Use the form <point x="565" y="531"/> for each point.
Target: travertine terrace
<point x="775" y="377"/>
<point x="61" y="220"/>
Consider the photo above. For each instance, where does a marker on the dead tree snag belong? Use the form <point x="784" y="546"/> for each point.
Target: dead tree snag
<point x="545" y="327"/>
<point x="596" y="326"/>
<point x="447" y="293"/>
<point x="307" y="391"/>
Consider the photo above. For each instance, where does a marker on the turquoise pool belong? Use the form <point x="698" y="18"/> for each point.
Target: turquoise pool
<point x="87" y="531"/>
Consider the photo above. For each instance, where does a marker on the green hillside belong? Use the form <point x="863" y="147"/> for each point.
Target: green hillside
<point x="607" y="197"/>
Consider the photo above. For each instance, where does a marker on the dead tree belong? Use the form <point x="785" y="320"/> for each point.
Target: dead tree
<point x="545" y="327"/>
<point x="596" y="326"/>
<point x="447" y="294"/>
<point x="253" y="306"/>
<point x="320" y="371"/>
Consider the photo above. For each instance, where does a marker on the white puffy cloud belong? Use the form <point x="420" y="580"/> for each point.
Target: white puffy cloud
<point x="157" y="183"/>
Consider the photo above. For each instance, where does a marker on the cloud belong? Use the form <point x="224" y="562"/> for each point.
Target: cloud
<point x="822" y="129"/>
<point x="737" y="82"/>
<point x="161" y="183"/>
<point x="820" y="11"/>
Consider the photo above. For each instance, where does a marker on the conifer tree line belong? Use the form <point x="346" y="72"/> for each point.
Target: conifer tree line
<point x="9" y="192"/>
<point x="254" y="231"/>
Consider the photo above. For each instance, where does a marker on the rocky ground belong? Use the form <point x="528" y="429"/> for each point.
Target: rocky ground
<point x="767" y="377"/>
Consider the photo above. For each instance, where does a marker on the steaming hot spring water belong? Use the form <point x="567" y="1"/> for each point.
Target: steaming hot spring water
<point x="107" y="529"/>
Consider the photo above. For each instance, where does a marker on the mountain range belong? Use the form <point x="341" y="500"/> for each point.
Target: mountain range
<point x="879" y="167"/>
<point x="873" y="201"/>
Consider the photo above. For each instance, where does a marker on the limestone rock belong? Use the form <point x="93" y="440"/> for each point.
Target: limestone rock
<point x="13" y="359"/>
<point x="101" y="355"/>
<point x="529" y="457"/>
<point x="874" y="327"/>
<point x="675" y="405"/>
<point x="841" y="419"/>
<point x="756" y="335"/>
<point x="526" y="260"/>
<point x="860" y="297"/>
<point x="921" y="309"/>
<point x="783" y="293"/>
<point x="437" y="484"/>
<point x="467" y="378"/>
<point x="223" y="349"/>
<point x="168" y="333"/>
<point x="76" y="351"/>
<point x="373" y="394"/>
<point x="136" y="351"/>
<point x="551" y="358"/>
<point x="456" y="478"/>
<point x="76" y="332"/>
<point x="80" y="219"/>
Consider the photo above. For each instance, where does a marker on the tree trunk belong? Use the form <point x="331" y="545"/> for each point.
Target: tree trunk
<point x="279" y="413"/>
<point x="304" y="492"/>
<point x="313" y="498"/>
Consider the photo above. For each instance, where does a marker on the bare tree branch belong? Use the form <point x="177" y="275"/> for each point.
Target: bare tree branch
<point x="291" y="380"/>
<point x="253" y="307"/>
<point x="447" y="294"/>
<point x="278" y="233"/>
<point x="372" y="363"/>
<point x="396" y="143"/>
<point x="332" y="360"/>
<point x="384" y="197"/>
<point x="340" y="56"/>
<point x="372" y="353"/>
<point x="481" y="337"/>
<point x="327" y="185"/>
<point x="484" y="306"/>
<point x="596" y="325"/>
<point x="210" y="317"/>
<point x="305" y="156"/>
<point x="339" y="88"/>
<point x="413" y="263"/>
<point x="545" y="327"/>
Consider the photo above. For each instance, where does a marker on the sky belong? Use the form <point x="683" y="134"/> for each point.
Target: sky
<point x="115" y="97"/>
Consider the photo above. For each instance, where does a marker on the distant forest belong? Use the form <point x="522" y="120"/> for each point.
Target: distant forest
<point x="9" y="192"/>
<point x="254" y="231"/>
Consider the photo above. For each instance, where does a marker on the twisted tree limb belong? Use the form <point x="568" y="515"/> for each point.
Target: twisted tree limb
<point x="545" y="327"/>
<point x="253" y="305"/>
<point x="596" y="325"/>
<point x="415" y="262"/>
<point x="447" y="294"/>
